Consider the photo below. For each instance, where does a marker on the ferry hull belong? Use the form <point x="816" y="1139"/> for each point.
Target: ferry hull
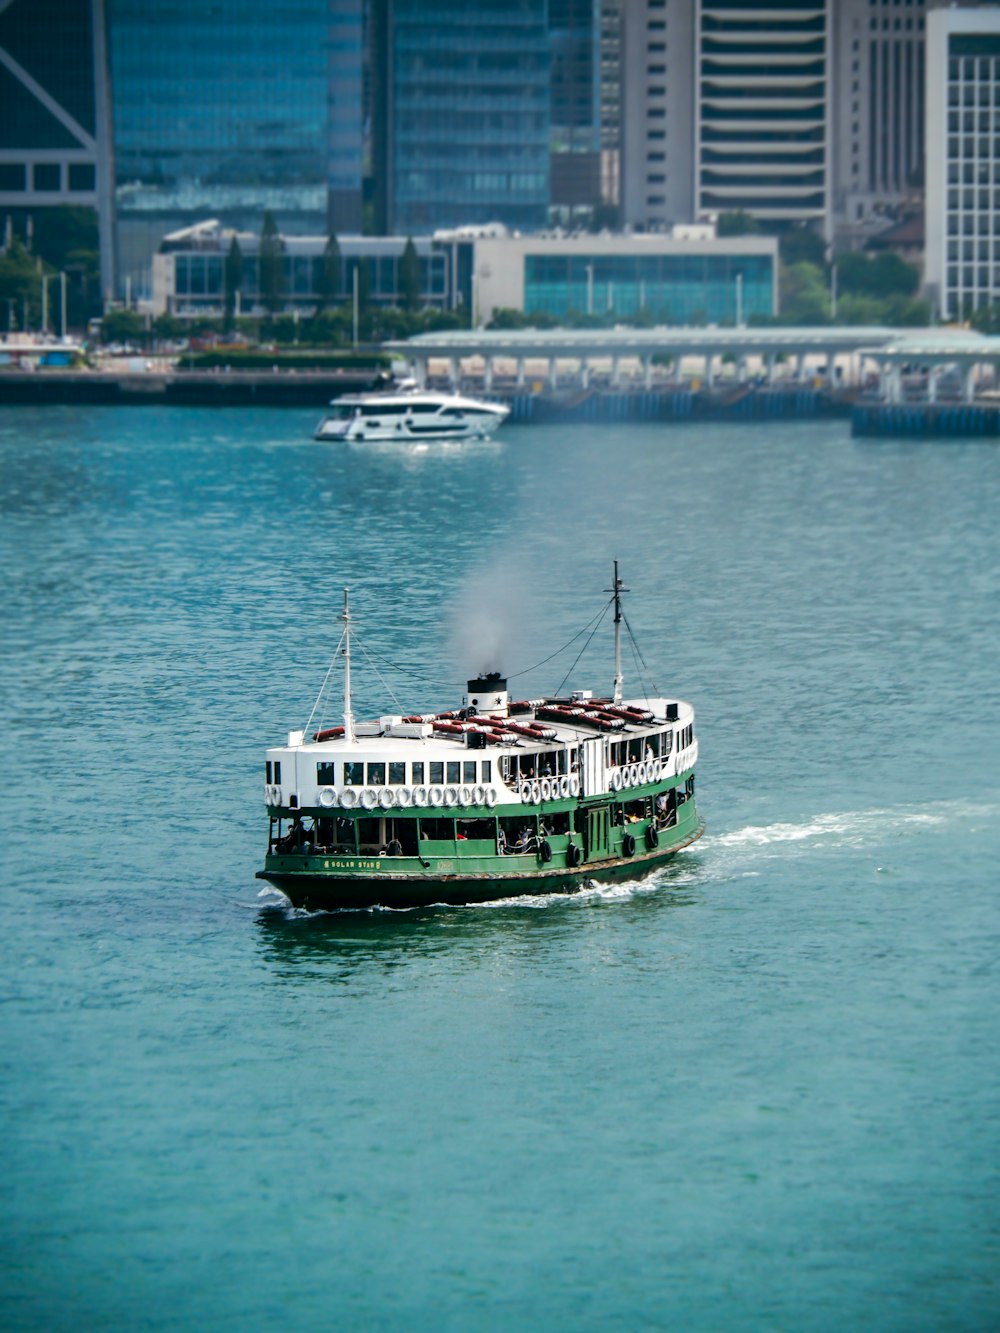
<point x="315" y="884"/>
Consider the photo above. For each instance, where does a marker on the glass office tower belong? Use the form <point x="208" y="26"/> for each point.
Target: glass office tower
<point x="468" y="124"/>
<point x="223" y="111"/>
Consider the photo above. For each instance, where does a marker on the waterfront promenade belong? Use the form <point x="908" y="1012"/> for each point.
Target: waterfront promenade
<point x="889" y="380"/>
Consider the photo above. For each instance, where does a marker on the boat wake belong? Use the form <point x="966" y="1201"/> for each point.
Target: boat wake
<point x="857" y="828"/>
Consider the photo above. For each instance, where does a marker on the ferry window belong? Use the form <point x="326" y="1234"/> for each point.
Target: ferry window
<point x="267" y="770"/>
<point x="325" y="775"/>
<point x="354" y="775"/>
<point x="469" y="770"/>
<point x="454" y="769"/>
<point x="376" y="775"/>
<point x="486" y="770"/>
<point x="418" y="773"/>
<point x="397" y="774"/>
<point x="437" y="771"/>
<point x="437" y="830"/>
<point x="277" y="770"/>
<point x="368" y="832"/>
<point x="477" y="828"/>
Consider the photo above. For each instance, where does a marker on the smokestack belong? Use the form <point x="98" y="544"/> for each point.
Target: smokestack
<point x="488" y="694"/>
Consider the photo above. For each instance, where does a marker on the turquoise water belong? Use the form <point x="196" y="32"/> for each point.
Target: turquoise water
<point x="758" y="1091"/>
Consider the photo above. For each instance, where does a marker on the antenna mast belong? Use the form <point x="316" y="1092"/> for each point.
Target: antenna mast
<point x="618" y="589"/>
<point x="345" y="620"/>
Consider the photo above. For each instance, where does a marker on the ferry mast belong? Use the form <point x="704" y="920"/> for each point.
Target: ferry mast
<point x="345" y="620"/>
<point x="618" y="589"/>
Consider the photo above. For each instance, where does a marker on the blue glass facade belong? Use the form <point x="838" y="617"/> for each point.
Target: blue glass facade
<point x="346" y="91"/>
<point x="221" y="110"/>
<point x="198" y="284"/>
<point x="676" y="289"/>
<point x="469" y="124"/>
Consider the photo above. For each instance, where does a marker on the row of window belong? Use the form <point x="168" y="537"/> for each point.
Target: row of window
<point x="971" y="224"/>
<point x="973" y="198"/>
<point x="400" y="773"/>
<point x="970" y="147"/>
<point x="972" y="173"/>
<point x="969" y="67"/>
<point x="46" y="177"/>
<point x="971" y="277"/>
<point x="974" y="250"/>
<point x="646" y="268"/>
<point x="204" y="275"/>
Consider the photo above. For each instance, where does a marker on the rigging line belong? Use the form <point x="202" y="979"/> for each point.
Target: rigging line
<point x="385" y="684"/>
<point x="456" y="684"/>
<point x="408" y="671"/>
<point x="329" y="669"/>
<point x="584" y="648"/>
<point x="598" y="618"/>
<point x="637" y="651"/>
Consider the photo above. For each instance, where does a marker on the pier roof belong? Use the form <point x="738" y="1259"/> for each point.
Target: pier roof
<point x="937" y="347"/>
<point x="629" y="342"/>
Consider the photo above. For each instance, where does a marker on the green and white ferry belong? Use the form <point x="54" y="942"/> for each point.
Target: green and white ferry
<point x="491" y="800"/>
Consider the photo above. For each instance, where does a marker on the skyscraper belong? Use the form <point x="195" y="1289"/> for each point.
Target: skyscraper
<point x="657" y="112"/>
<point x="575" y="102"/>
<point x="762" y="120"/>
<point x="962" y="267"/>
<point x="224" y="111"/>
<point x="878" y="106"/>
<point x="53" y="130"/>
<point x="466" y="130"/>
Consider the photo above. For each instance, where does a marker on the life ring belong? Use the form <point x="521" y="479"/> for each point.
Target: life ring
<point x="524" y="791"/>
<point x="491" y="798"/>
<point x="387" y="798"/>
<point x="657" y="770"/>
<point x="467" y="796"/>
<point x="451" y="796"/>
<point x="652" y="836"/>
<point x="572" y="854"/>
<point x="633" y="775"/>
<point x="545" y="850"/>
<point x="616" y="779"/>
<point x="564" y="787"/>
<point x="327" y="796"/>
<point x="628" y="845"/>
<point x="369" y="798"/>
<point x="420" y="796"/>
<point x="545" y="786"/>
<point x="536" y="792"/>
<point x="348" y="798"/>
<point x="478" y="795"/>
<point x="574" y="785"/>
<point x="435" y="796"/>
<point x="272" y="795"/>
<point x="404" y="797"/>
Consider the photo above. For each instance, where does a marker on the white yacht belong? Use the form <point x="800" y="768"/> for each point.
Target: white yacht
<point x="407" y="412"/>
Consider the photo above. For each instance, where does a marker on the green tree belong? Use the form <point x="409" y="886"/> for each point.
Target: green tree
<point x="986" y="319"/>
<point x="123" y="326"/>
<point x="738" y="223"/>
<point x="329" y="274"/>
<point x="20" y="288"/>
<point x="63" y="230"/>
<point x="801" y="245"/>
<point x="271" y="266"/>
<point x="233" y="281"/>
<point x="804" y="296"/>
<point x="409" y="276"/>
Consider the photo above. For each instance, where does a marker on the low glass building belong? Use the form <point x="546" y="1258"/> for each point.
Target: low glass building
<point x="189" y="272"/>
